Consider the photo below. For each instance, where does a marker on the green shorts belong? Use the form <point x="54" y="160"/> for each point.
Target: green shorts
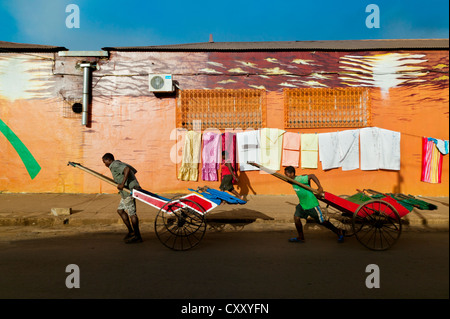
<point x="314" y="212"/>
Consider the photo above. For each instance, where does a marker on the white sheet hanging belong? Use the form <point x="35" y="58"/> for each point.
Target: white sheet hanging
<point x="380" y="149"/>
<point x="370" y="148"/>
<point x="329" y="153"/>
<point x="390" y="150"/>
<point x="349" y="149"/>
<point x="248" y="149"/>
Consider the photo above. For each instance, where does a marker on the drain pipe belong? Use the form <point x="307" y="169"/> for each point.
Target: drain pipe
<point x="86" y="90"/>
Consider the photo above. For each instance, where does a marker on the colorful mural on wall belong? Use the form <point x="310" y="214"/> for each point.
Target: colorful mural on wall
<point x="275" y="71"/>
<point x="26" y="76"/>
<point x="27" y="158"/>
<point x="126" y="72"/>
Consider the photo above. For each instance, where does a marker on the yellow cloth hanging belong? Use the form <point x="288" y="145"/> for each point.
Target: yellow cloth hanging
<point x="191" y="156"/>
<point x="271" y="143"/>
<point x="309" y="150"/>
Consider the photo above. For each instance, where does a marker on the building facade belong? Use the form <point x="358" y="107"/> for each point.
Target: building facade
<point x="301" y="87"/>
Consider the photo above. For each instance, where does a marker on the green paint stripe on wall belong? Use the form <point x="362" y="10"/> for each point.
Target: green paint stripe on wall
<point x="27" y="158"/>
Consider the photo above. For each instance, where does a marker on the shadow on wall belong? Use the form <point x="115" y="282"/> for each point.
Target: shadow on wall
<point x="398" y="188"/>
<point x="244" y="185"/>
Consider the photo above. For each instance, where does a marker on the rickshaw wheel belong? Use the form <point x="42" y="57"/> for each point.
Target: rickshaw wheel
<point x="343" y="222"/>
<point x="377" y="225"/>
<point x="180" y="224"/>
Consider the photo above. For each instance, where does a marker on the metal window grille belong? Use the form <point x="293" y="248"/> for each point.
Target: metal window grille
<point x="323" y="107"/>
<point x="221" y="109"/>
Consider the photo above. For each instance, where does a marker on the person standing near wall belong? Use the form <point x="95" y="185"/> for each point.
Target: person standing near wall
<point x="124" y="175"/>
<point x="227" y="177"/>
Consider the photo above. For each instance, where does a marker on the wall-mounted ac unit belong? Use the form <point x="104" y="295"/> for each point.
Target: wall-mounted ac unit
<point x="160" y="83"/>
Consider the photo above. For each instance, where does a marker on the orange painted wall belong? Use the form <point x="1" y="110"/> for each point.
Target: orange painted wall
<point x="139" y="128"/>
<point x="51" y="139"/>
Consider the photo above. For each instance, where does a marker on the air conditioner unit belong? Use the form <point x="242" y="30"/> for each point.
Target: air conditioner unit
<point x="160" y="83"/>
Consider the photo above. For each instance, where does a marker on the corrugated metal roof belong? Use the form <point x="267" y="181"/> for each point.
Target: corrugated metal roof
<point x="342" y="45"/>
<point x="25" y="47"/>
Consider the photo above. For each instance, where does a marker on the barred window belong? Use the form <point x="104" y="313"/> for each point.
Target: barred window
<point x="323" y="107"/>
<point x="221" y="109"/>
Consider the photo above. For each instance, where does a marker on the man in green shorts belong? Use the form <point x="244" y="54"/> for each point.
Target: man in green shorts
<point x="123" y="174"/>
<point x="308" y="206"/>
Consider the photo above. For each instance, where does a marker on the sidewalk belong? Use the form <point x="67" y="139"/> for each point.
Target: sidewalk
<point x="260" y="213"/>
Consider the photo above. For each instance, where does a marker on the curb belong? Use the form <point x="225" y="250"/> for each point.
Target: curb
<point x="261" y="213"/>
<point x="222" y="224"/>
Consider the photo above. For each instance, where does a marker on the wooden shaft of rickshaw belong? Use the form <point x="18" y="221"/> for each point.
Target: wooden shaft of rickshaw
<point x="288" y="180"/>
<point x="325" y="197"/>
<point x="98" y="175"/>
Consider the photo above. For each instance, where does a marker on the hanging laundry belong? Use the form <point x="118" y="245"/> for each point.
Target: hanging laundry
<point x="380" y="149"/>
<point x="270" y="146"/>
<point x="248" y="149"/>
<point x="309" y="150"/>
<point x="431" y="161"/>
<point x="329" y="153"/>
<point x="349" y="149"/>
<point x="211" y="155"/>
<point x="291" y="149"/>
<point x="442" y="145"/>
<point x="229" y="146"/>
<point x="389" y="149"/>
<point x="191" y="157"/>
<point x="370" y="148"/>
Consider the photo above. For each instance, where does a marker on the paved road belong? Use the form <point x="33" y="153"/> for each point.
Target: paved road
<point x="256" y="265"/>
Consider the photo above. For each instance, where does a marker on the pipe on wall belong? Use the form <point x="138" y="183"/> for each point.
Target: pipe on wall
<point x="86" y="90"/>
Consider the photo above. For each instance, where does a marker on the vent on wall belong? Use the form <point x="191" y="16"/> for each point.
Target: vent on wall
<point x="72" y="108"/>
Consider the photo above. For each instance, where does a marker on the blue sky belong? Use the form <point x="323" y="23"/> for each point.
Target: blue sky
<point x="159" y="22"/>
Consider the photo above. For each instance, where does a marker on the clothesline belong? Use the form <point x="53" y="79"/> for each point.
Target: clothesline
<point x="403" y="133"/>
<point x="414" y="135"/>
<point x="369" y="148"/>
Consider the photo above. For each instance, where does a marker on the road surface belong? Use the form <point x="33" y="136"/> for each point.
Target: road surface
<point x="251" y="265"/>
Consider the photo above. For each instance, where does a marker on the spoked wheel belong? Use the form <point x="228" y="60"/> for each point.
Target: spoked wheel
<point x="180" y="224"/>
<point x="377" y="225"/>
<point x="343" y="222"/>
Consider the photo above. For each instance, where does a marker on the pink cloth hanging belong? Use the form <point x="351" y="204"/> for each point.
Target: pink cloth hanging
<point x="291" y="149"/>
<point x="431" y="162"/>
<point x="211" y="156"/>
